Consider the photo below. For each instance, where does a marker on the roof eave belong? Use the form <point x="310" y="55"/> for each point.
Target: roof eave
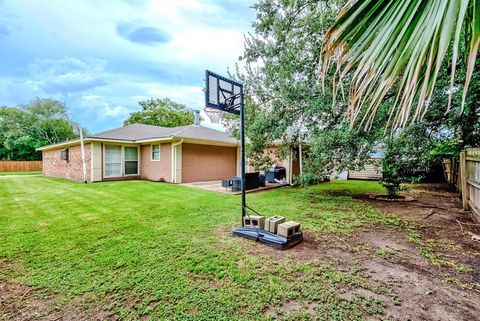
<point x="85" y="140"/>
<point x="140" y="141"/>
<point x="207" y="141"/>
<point x="153" y="139"/>
<point x="58" y="145"/>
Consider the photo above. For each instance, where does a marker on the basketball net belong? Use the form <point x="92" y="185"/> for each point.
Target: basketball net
<point x="213" y="114"/>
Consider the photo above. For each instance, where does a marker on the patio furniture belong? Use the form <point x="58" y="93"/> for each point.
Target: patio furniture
<point x="226" y="182"/>
<point x="261" y="180"/>
<point x="251" y="180"/>
<point x="276" y="173"/>
<point x="236" y="184"/>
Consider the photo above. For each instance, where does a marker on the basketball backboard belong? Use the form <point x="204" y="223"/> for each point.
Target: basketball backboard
<point x="222" y="93"/>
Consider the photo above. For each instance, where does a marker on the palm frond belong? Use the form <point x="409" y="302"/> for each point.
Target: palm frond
<point x="399" y="44"/>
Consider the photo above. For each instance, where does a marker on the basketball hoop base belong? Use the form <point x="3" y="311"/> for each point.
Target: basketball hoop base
<point x="268" y="238"/>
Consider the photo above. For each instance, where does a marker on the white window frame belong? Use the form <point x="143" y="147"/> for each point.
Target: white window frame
<point x="124" y="161"/>
<point x="105" y="158"/>
<point x="159" y="152"/>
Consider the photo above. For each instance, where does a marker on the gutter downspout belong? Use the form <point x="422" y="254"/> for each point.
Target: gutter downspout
<point x="174" y="161"/>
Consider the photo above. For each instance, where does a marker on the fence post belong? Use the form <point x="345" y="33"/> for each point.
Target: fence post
<point x="463" y="180"/>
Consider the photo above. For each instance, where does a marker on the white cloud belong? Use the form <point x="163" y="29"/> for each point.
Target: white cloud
<point x="102" y="108"/>
<point x="85" y="61"/>
<point x="65" y="76"/>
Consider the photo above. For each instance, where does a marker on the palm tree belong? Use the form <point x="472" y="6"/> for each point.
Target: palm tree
<point x="388" y="45"/>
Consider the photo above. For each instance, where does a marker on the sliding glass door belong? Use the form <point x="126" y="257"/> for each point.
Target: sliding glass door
<point x="121" y="161"/>
<point x="113" y="161"/>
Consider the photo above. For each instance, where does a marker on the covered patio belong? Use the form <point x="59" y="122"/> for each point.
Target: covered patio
<point x="216" y="186"/>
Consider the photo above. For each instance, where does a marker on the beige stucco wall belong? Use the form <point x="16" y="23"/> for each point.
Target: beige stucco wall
<point x="156" y="170"/>
<point x="206" y="163"/>
<point x="96" y="162"/>
<point x="54" y="166"/>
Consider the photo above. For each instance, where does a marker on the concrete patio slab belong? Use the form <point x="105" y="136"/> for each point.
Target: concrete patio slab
<point x="216" y="186"/>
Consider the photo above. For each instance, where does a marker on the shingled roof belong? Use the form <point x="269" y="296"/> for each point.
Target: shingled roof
<point x="137" y="132"/>
<point x="141" y="133"/>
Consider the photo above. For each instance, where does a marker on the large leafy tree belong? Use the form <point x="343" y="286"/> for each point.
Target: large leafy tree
<point x="161" y="112"/>
<point x="285" y="101"/>
<point x="288" y="98"/>
<point x="400" y="46"/>
<point x="27" y="127"/>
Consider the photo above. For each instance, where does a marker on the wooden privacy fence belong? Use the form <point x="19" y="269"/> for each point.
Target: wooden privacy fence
<point x="469" y="180"/>
<point x="450" y="169"/>
<point x="20" y="166"/>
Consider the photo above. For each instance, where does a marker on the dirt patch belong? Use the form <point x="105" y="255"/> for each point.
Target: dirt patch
<point x="417" y="287"/>
<point x="288" y="307"/>
<point x="386" y="198"/>
<point x="311" y="248"/>
<point x="425" y="290"/>
<point x="20" y="302"/>
<point x="421" y="297"/>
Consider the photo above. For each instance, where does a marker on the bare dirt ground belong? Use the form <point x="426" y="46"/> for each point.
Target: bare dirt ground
<point x="444" y="285"/>
<point x="435" y="273"/>
<point x="20" y="302"/>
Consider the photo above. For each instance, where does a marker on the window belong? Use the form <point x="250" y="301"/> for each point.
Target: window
<point x="131" y="161"/>
<point x="156" y="152"/>
<point x="64" y="154"/>
<point x="113" y="161"/>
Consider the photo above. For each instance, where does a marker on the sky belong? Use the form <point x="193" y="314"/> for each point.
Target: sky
<point x="102" y="57"/>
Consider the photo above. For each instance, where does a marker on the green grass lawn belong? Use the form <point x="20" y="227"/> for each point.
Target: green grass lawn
<point x="167" y="250"/>
<point x="20" y="173"/>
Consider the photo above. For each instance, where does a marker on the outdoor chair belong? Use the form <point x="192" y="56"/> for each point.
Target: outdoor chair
<point x="226" y="182"/>
<point x="236" y="183"/>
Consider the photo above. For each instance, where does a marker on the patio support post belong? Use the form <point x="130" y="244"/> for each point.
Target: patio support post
<point x="300" y="156"/>
<point x="84" y="162"/>
<point x="242" y="151"/>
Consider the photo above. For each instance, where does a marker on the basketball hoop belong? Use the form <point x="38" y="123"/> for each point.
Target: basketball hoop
<point x="213" y="114"/>
<point x="226" y="95"/>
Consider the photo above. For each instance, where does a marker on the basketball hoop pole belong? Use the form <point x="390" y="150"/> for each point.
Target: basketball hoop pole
<point x="226" y="95"/>
<point x="242" y="151"/>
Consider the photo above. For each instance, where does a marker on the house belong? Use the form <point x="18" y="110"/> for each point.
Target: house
<point x="178" y="155"/>
<point x="372" y="170"/>
<point x="184" y="154"/>
<point x="294" y="159"/>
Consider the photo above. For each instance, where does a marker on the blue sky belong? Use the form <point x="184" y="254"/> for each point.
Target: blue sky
<point x="102" y="57"/>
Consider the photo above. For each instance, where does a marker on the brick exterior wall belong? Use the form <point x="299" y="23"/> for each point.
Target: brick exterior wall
<point x="54" y="166"/>
<point x="272" y="152"/>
